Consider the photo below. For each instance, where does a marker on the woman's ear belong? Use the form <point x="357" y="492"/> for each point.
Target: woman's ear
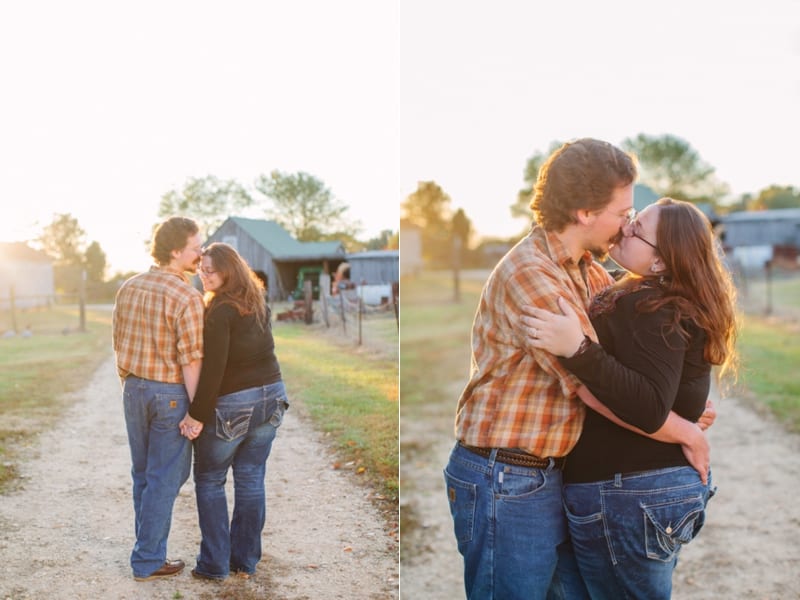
<point x="657" y="266"/>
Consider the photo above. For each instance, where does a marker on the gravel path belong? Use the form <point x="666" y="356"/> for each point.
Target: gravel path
<point x="748" y="549"/>
<point x="68" y="533"/>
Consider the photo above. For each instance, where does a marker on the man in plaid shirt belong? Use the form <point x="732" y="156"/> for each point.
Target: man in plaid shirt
<point x="519" y="415"/>
<point x="157" y="334"/>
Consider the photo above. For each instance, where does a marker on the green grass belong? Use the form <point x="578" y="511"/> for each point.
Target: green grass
<point x="37" y="371"/>
<point x="434" y="337"/>
<point x="769" y="355"/>
<point x="350" y="394"/>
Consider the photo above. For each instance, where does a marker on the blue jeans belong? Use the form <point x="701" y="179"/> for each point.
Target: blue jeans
<point x="161" y="458"/>
<point x="627" y="531"/>
<point x="511" y="529"/>
<point x="240" y="437"/>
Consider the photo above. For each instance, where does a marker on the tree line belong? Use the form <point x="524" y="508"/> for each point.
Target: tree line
<point x="301" y="203"/>
<point x="667" y="164"/>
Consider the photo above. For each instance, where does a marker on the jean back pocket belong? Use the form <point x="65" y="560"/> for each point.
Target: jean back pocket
<point x="669" y="525"/>
<point x="233" y="423"/>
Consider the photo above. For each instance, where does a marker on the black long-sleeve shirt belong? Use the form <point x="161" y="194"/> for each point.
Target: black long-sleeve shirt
<point x="641" y="371"/>
<point x="237" y="355"/>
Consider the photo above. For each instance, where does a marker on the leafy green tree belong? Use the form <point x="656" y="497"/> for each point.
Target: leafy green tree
<point x="207" y="200"/>
<point x="461" y="228"/>
<point x="429" y="208"/>
<point x="63" y="240"/>
<point x="521" y="208"/>
<point x="776" y="196"/>
<point x="382" y="242"/>
<point x="95" y="263"/>
<point x="671" y="167"/>
<point x="305" y="207"/>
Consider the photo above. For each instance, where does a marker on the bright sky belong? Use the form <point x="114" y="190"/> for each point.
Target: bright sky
<point x="108" y="105"/>
<point x="105" y="106"/>
<point x="484" y="85"/>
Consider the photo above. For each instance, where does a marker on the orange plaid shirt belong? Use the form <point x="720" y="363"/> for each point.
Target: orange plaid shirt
<point x="157" y="325"/>
<point x="518" y="396"/>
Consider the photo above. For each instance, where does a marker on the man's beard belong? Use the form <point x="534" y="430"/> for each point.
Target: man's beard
<point x="600" y="254"/>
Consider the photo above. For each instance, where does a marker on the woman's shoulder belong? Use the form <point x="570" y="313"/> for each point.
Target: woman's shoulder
<point x="221" y="311"/>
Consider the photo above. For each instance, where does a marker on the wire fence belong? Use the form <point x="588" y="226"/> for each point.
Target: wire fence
<point x="38" y="314"/>
<point x="771" y="291"/>
<point x="356" y="316"/>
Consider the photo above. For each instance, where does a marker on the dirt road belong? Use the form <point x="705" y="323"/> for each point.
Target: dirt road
<point x="68" y="533"/>
<point x="748" y="549"/>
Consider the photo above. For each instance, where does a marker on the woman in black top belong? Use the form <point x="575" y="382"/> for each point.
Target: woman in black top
<point x="633" y="501"/>
<point x="240" y="402"/>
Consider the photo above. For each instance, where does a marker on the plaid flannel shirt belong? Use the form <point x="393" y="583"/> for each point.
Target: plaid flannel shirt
<point x="157" y="325"/>
<point x="519" y="396"/>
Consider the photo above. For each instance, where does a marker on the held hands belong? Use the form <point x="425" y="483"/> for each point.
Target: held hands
<point x="558" y="334"/>
<point x="190" y="427"/>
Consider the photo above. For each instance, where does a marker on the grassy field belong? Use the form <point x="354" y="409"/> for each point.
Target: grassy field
<point x="36" y="372"/>
<point x="350" y="392"/>
<point x="435" y="333"/>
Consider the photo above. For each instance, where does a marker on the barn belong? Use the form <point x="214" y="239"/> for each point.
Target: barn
<point x="26" y="275"/>
<point x="374" y="267"/>
<point x="755" y="237"/>
<point x="269" y="248"/>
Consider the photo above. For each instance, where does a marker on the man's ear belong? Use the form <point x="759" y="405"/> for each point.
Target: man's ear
<point x="584" y="217"/>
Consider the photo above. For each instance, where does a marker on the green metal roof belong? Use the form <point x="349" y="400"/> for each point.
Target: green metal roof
<point x="281" y="245"/>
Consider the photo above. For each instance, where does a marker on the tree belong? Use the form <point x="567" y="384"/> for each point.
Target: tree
<point x="95" y="263"/>
<point x="776" y="196"/>
<point x="383" y="241"/>
<point x="671" y="167"/>
<point x="460" y="227"/>
<point x="63" y="240"/>
<point x="521" y="208"/>
<point x="207" y="200"/>
<point x="428" y="208"/>
<point x="305" y="207"/>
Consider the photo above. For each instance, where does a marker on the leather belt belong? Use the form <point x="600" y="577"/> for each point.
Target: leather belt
<point x="517" y="458"/>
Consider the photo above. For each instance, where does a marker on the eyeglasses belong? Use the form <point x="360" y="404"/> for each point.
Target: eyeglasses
<point x="633" y="223"/>
<point x="637" y="236"/>
<point x="206" y="272"/>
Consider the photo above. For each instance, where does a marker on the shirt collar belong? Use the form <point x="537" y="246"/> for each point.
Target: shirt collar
<point x="550" y="243"/>
<point x="166" y="269"/>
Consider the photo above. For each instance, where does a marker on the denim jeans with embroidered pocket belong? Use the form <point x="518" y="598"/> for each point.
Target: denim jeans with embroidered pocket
<point x="239" y="439"/>
<point x="627" y="532"/>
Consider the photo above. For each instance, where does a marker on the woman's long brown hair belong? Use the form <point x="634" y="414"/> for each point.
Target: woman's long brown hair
<point x="241" y="287"/>
<point x="697" y="283"/>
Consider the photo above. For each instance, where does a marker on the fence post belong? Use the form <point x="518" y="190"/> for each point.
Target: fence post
<point x="360" y="311"/>
<point x="768" y="269"/>
<point x="324" y="295"/>
<point x="308" y="294"/>
<point x="341" y="305"/>
<point x="13" y="308"/>
<point x="395" y="300"/>
<point x="82" y="302"/>
<point x="323" y="299"/>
